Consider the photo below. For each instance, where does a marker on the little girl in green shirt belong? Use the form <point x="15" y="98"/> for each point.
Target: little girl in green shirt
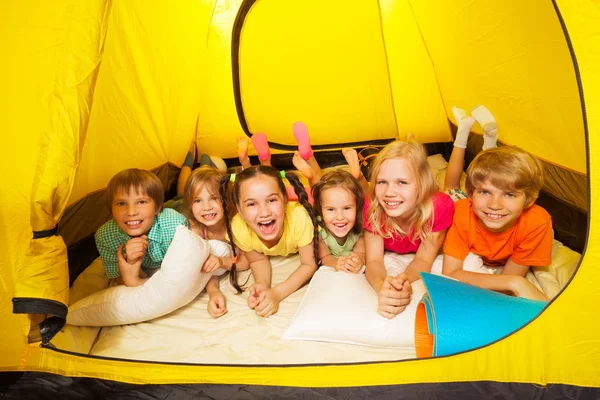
<point x="338" y="204"/>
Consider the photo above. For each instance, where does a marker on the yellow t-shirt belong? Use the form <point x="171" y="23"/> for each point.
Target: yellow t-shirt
<point x="298" y="231"/>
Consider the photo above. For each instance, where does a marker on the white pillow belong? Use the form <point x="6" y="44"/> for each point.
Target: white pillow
<point x="178" y="282"/>
<point x="342" y="307"/>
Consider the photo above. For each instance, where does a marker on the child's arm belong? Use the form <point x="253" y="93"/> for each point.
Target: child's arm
<point x="357" y="258"/>
<point x="426" y="254"/>
<point x="375" y="271"/>
<point x="261" y="271"/>
<point x="216" y="302"/>
<point x="131" y="274"/>
<point x="516" y="284"/>
<point x="394" y="292"/>
<point x="269" y="300"/>
<point x="242" y="263"/>
<point x="325" y="255"/>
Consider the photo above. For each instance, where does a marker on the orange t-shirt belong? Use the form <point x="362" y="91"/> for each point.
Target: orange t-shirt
<point x="528" y="242"/>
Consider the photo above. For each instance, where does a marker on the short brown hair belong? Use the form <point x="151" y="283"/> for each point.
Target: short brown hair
<point x="508" y="168"/>
<point x="139" y="180"/>
<point x="342" y="179"/>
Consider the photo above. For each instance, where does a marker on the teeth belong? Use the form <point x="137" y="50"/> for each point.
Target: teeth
<point x="209" y="215"/>
<point x="131" y="223"/>
<point x="494" y="216"/>
<point x="265" y="223"/>
<point x="393" y="203"/>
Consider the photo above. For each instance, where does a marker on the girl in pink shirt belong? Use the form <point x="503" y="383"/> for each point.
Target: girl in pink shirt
<point x="405" y="213"/>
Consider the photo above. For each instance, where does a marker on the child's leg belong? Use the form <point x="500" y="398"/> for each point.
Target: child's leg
<point x="301" y="134"/>
<point x="305" y="169"/>
<point x="488" y="123"/>
<point x="186" y="168"/>
<point x="260" y="143"/>
<point x="242" y="151"/>
<point x="352" y="159"/>
<point x="457" y="158"/>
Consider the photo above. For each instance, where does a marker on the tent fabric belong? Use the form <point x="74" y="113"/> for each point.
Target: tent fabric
<point x="44" y="385"/>
<point x="96" y="87"/>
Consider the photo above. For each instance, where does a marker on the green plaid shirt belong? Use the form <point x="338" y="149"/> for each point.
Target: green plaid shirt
<point x="109" y="237"/>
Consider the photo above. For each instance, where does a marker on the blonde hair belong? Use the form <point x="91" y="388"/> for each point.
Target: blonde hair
<point x="421" y="219"/>
<point x="204" y="176"/>
<point x="508" y="168"/>
<point x="141" y="181"/>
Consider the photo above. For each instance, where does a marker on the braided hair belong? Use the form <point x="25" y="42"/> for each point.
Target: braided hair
<point x="250" y="173"/>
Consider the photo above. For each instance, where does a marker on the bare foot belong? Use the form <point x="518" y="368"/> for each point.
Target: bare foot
<point x="242" y="151"/>
<point x="352" y="159"/>
<point x="302" y="166"/>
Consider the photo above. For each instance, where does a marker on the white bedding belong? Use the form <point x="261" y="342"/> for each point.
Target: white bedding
<point x="239" y="337"/>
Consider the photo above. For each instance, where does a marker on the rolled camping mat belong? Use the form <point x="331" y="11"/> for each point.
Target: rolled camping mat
<point x="454" y="316"/>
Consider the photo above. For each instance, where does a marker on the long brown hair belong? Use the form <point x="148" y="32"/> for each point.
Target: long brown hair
<point x="342" y="179"/>
<point x="253" y="172"/>
<point x="207" y="176"/>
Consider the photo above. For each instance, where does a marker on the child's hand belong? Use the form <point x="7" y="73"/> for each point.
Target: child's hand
<point x="350" y="263"/>
<point x="212" y="263"/>
<point x="135" y="249"/>
<point x="353" y="263"/>
<point x="521" y="287"/>
<point x="255" y="290"/>
<point x="394" y="296"/>
<point x="216" y="305"/>
<point x="130" y="273"/>
<point x="268" y="303"/>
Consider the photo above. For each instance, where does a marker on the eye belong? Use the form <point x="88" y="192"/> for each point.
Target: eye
<point x="348" y="208"/>
<point x="197" y="200"/>
<point x="329" y="209"/>
<point x="403" y="182"/>
<point x="273" y="200"/>
<point x="120" y="203"/>
<point x="250" y="204"/>
<point x="381" y="182"/>
<point x="214" y="198"/>
<point x="482" y="191"/>
<point x="510" y="194"/>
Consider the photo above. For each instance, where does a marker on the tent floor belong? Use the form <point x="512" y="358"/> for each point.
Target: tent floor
<point x="35" y="385"/>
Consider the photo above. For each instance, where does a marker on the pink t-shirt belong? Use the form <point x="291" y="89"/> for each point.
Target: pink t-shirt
<point x="443" y="211"/>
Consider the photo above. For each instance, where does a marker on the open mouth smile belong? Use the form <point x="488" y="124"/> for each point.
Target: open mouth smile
<point x="267" y="227"/>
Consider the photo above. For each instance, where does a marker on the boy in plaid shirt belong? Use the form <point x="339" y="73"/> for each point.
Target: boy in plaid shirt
<point x="137" y="237"/>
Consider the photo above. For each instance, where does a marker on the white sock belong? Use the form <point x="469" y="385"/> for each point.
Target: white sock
<point x="464" y="124"/>
<point x="488" y="123"/>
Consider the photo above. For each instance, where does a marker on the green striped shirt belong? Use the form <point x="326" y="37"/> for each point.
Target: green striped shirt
<point x="109" y="237"/>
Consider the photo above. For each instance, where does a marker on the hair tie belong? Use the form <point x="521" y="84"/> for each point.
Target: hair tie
<point x="234" y="259"/>
<point x="282" y="173"/>
<point x="232" y="178"/>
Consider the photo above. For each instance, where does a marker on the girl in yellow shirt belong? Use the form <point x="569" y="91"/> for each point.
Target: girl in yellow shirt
<point x="267" y="224"/>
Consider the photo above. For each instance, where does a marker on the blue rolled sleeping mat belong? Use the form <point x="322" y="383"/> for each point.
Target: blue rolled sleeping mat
<point x="454" y="316"/>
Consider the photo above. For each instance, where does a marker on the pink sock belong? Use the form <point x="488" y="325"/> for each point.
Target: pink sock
<point x="301" y="134"/>
<point x="259" y="141"/>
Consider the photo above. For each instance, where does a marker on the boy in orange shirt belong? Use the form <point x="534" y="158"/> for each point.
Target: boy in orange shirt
<point x="500" y="222"/>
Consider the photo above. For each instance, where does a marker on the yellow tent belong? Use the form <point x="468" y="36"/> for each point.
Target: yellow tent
<point x="93" y="87"/>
